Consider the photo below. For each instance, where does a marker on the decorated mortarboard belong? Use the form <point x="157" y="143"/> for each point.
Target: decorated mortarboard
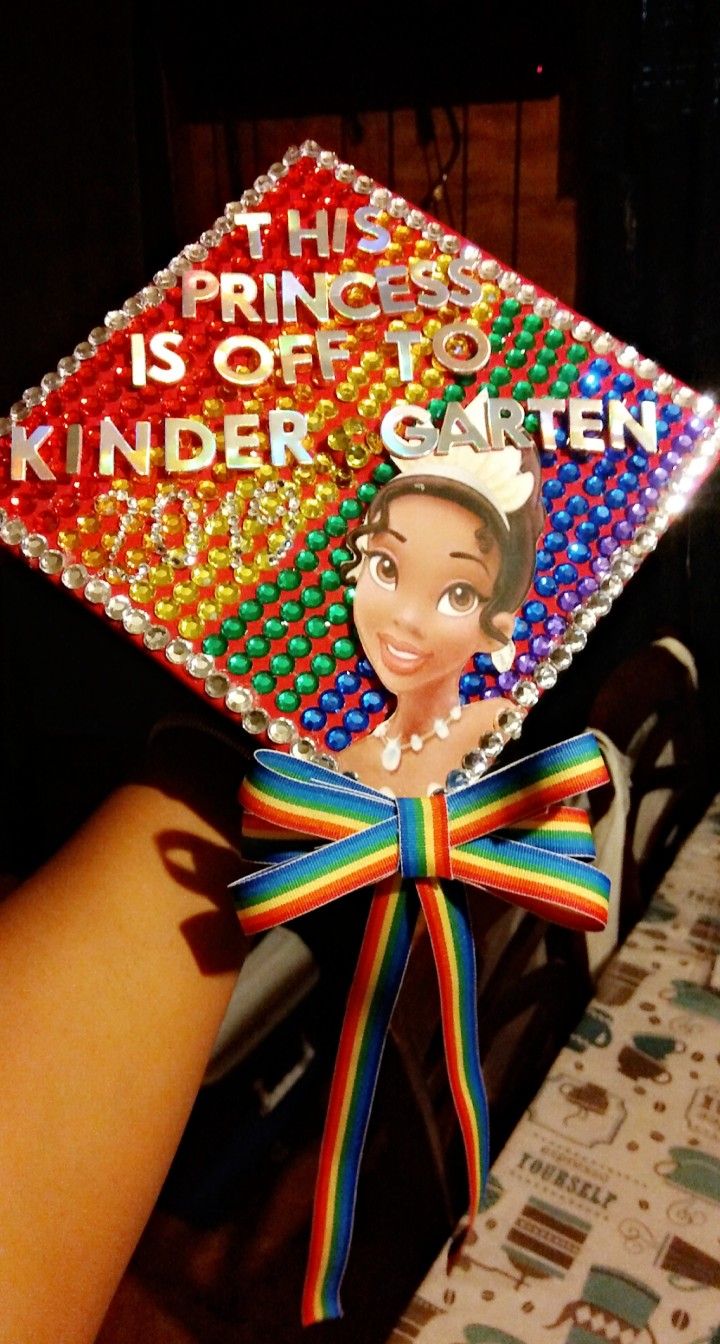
<point x="368" y="491"/>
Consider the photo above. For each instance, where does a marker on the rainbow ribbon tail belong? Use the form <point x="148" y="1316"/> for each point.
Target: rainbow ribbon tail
<point x="510" y="832"/>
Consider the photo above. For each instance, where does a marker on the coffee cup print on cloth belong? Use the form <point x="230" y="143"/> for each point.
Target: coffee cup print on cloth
<point x="619" y="982"/>
<point x="544" y="1241"/>
<point x="441" y="565"/>
<point x="687" y="1266"/>
<point x="698" y="1174"/>
<point x="613" y="1306"/>
<point x="584" y="1112"/>
<point x="594" y="1028"/>
<point x="636" y="1064"/>
<point x="701" y="999"/>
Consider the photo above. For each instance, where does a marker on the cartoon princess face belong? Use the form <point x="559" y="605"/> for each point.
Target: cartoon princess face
<point x="446" y="556"/>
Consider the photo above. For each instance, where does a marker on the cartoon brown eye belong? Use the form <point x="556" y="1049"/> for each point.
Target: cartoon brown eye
<point x="461" y="599"/>
<point x="383" y="570"/>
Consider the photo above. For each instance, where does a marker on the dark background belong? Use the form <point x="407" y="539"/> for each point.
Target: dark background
<point x="98" y="105"/>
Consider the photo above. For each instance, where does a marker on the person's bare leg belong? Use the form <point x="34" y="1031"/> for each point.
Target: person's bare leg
<point x="117" y="961"/>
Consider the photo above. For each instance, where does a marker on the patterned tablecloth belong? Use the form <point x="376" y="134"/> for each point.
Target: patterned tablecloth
<point x="602" y="1214"/>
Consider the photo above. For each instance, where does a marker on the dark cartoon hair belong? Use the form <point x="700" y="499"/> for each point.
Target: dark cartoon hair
<point x="517" y="545"/>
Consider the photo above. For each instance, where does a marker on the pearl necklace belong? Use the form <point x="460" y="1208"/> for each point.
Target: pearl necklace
<point x="394" y="747"/>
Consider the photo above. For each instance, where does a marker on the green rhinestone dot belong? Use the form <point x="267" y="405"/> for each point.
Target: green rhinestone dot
<point x="499" y="377"/>
<point x="215" y="645"/>
<point x="538" y="374"/>
<point x="436" y="407"/>
<point x="496" y="343"/>
<point x="257" y="646"/>
<point x="323" y="664"/>
<point x="292" y="611"/>
<point x="454" y="392"/>
<point x="251" y="610"/>
<point x="532" y="322"/>
<point x="289" y="579"/>
<point x="515" y="359"/>
<point x="264" y="682"/>
<point x="306" y="560"/>
<point x="349" y="597"/>
<point x="233" y="628"/>
<point x="524" y="340"/>
<point x="335" y="526"/>
<point x="559" y="388"/>
<point x="522" y="390"/>
<point x="554" y="338"/>
<point x="510" y="307"/>
<point x="350" y="508"/>
<point x="546" y="355"/>
<point x="282" y="664"/>
<point x="313" y="597"/>
<point x="287" y="701"/>
<point x="306" y="682"/>
<point x="316" y="540"/>
<point x="367" y="492"/>
<point x="330" y="580"/>
<point x="344" y="648"/>
<point x="274" y="628"/>
<point x="299" y="646"/>
<point x="568" y="372"/>
<point x="502" y="326"/>
<point x="465" y="379"/>
<point x="316" y="627"/>
<point x="340" y="556"/>
<point x="532" y="422"/>
<point x="267" y="593"/>
<point x="491" y="390"/>
<point x="384" y="472"/>
<point x="337" y="613"/>
<point x="239" y="663"/>
<point x="576" y="353"/>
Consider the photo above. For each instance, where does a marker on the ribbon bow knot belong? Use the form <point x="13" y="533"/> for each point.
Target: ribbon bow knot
<point x="509" y="832"/>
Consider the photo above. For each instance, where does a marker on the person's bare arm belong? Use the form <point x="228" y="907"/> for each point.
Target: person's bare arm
<point x="117" y="961"/>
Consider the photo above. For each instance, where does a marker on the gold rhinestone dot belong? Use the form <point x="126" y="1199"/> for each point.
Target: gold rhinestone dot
<point x="191" y="627"/>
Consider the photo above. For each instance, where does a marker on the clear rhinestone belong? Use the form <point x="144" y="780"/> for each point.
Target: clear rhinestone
<point x="238" y="700"/>
<point x="195" y="252"/>
<point x="623" y="567"/>
<point x="304" y="748"/>
<point x="32" y="396"/>
<point x="97" y="591"/>
<point x="584" y="619"/>
<point x="381" y="198"/>
<point x="282" y="731"/>
<point x="291" y="155"/>
<point x="525" y="694"/>
<point x="98" y="336"/>
<point x="19" y="411"/>
<point x="511" y="722"/>
<point x="575" y="639"/>
<point x="132" y="307"/>
<point x="545" y="306"/>
<point x="13" y="531"/>
<point x="164" y="280"/>
<point x="562" y="319"/>
<point x="345" y="172"/>
<point x="217" y="685"/>
<point x="664" y="384"/>
<point x="561" y="658"/>
<point x="84" y="350"/>
<point x="415" y="219"/>
<point x="450" y="244"/>
<point x="179" y="265"/>
<point x="527" y="294"/>
<point x="600" y="603"/>
<point x="178" y="651"/>
<point x="136" y="622"/>
<point x="263" y="183"/>
<point x="75" y="576"/>
<point x="604" y="343"/>
<point x="310" y="149"/>
<point x="612" y="584"/>
<point x="583" y="330"/>
<point x="627" y="356"/>
<point x="363" y="185"/>
<point x="200" y="665"/>
<point x="5" y="425"/>
<point x="255" y="721"/>
<point x="327" y="762"/>
<point x="50" y="382"/>
<point x="545" y="676"/>
<point x="457" y="779"/>
<point x="276" y="171"/>
<point x="51" y="562"/>
<point x="647" y="369"/>
<point x="116" y="606"/>
<point x="433" y="230"/>
<point x="397" y="207"/>
<point x="489" y="268"/>
<point x="492" y="744"/>
<point x="476" y="762"/>
<point x="34" y="545"/>
<point x="156" y="637"/>
<point x="509" y="282"/>
<point x="326" y="159"/>
<point x="67" y="366"/>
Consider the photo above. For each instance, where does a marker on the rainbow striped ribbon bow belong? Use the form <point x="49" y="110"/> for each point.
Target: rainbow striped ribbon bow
<point x="508" y="833"/>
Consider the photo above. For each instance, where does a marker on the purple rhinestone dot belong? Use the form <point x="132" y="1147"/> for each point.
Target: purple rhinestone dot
<point x="622" y="531"/>
<point x="600" y="564"/>
<point x="587" y="587"/>
<point x="507" y="680"/>
<point x="526" y="664"/>
<point x="540" y="646"/>
<point x="608" y="545"/>
<point x="555" y="626"/>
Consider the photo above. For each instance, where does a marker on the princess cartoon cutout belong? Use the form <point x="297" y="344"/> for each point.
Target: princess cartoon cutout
<point x="443" y="561"/>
